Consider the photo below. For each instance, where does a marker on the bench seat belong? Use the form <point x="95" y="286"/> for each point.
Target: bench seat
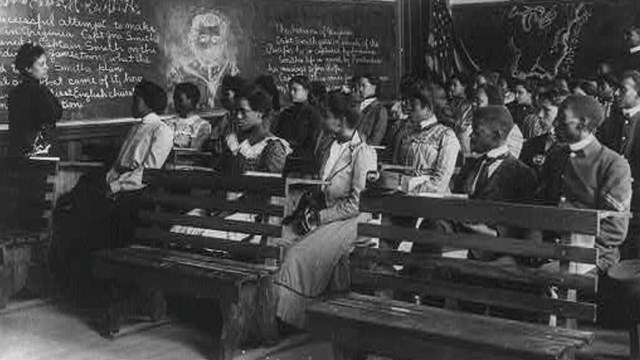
<point x="178" y="271"/>
<point x="400" y="329"/>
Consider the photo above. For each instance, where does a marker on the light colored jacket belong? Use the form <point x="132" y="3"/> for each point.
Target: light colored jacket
<point x="348" y="179"/>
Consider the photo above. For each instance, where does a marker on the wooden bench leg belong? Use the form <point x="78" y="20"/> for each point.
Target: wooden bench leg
<point x="569" y="355"/>
<point x="117" y="310"/>
<point x="634" y="341"/>
<point x="237" y="320"/>
<point x="266" y="307"/>
<point x="342" y="353"/>
<point x="5" y="278"/>
<point x="157" y="304"/>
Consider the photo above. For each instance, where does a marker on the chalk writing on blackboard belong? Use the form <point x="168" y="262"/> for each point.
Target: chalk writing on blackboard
<point x="322" y="53"/>
<point x="97" y="50"/>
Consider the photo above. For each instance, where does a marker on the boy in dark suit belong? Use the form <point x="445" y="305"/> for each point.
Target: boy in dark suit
<point x="587" y="175"/>
<point x="621" y="133"/>
<point x="497" y="175"/>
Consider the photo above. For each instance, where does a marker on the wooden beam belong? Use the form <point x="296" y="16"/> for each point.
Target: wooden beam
<point x="508" y="214"/>
<point x="478" y="294"/>
<point x="516" y="274"/>
<point x="481" y="242"/>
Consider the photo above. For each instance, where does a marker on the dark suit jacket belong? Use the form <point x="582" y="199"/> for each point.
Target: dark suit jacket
<point x="373" y="123"/>
<point x="601" y="179"/>
<point x="299" y="125"/>
<point x="512" y="181"/>
<point x="32" y="109"/>
<point x="611" y="135"/>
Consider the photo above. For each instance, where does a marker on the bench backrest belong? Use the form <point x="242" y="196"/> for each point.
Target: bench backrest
<point x="515" y="287"/>
<point x="236" y="214"/>
<point x="27" y="190"/>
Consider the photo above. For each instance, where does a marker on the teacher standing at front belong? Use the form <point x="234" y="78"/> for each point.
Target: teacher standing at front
<point x="33" y="109"/>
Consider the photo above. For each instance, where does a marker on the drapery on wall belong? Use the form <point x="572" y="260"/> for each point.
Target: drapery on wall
<point x="445" y="53"/>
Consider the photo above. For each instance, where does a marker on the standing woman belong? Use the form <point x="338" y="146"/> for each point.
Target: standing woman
<point x="33" y="109"/>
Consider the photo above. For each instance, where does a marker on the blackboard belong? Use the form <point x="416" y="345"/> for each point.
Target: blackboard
<point x="544" y="39"/>
<point x="99" y="49"/>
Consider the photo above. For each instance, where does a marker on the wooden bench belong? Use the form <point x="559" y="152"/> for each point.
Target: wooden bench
<point x="219" y="258"/>
<point x="469" y="290"/>
<point x="27" y="189"/>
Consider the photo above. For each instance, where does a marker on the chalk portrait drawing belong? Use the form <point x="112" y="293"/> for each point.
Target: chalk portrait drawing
<point x="207" y="54"/>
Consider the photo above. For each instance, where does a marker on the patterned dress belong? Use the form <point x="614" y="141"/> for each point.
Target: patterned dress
<point x="267" y="155"/>
<point x="190" y="132"/>
<point x="432" y="153"/>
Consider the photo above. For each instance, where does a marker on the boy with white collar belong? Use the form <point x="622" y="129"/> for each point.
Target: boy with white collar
<point x="148" y="143"/>
<point x="621" y="133"/>
<point x="588" y="175"/>
<point x="495" y="176"/>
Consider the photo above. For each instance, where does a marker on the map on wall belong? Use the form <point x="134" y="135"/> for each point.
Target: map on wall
<point x="544" y="39"/>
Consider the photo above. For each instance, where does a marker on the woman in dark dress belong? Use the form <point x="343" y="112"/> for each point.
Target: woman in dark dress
<point x="33" y="109"/>
<point x="253" y="147"/>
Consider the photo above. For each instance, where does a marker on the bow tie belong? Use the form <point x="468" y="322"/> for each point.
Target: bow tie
<point x="574" y="153"/>
<point x="488" y="160"/>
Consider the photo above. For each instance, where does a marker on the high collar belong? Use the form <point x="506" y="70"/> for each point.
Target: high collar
<point x="497" y="152"/>
<point x="354" y="141"/>
<point x="366" y="102"/>
<point x="582" y="144"/>
<point x="429" y="122"/>
<point x="631" y="112"/>
<point x="634" y="49"/>
<point x="151" y="118"/>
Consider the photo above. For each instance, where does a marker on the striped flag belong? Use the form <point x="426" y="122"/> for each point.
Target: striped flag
<point x="448" y="54"/>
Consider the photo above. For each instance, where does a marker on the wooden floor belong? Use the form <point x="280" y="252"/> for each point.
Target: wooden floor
<point x="59" y="331"/>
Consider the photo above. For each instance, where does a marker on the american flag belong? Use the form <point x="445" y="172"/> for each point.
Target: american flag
<point x="448" y="54"/>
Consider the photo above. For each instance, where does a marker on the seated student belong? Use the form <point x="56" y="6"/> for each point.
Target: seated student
<point x="536" y="149"/>
<point x="606" y="93"/>
<point x="326" y="222"/>
<point x="230" y="87"/>
<point x="541" y="122"/>
<point x="509" y="96"/>
<point x="373" y="125"/>
<point x="587" y="175"/>
<point x="268" y="84"/>
<point x="260" y="150"/>
<point x="190" y="130"/>
<point x="621" y="133"/>
<point x="523" y="106"/>
<point x="585" y="87"/>
<point x="489" y="95"/>
<point x="460" y="104"/>
<point x="431" y="148"/>
<point x="148" y="143"/>
<point x="497" y="175"/>
<point x="299" y="124"/>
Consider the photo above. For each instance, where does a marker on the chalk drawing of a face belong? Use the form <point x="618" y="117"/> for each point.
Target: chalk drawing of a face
<point x="213" y="53"/>
<point x="208" y="38"/>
